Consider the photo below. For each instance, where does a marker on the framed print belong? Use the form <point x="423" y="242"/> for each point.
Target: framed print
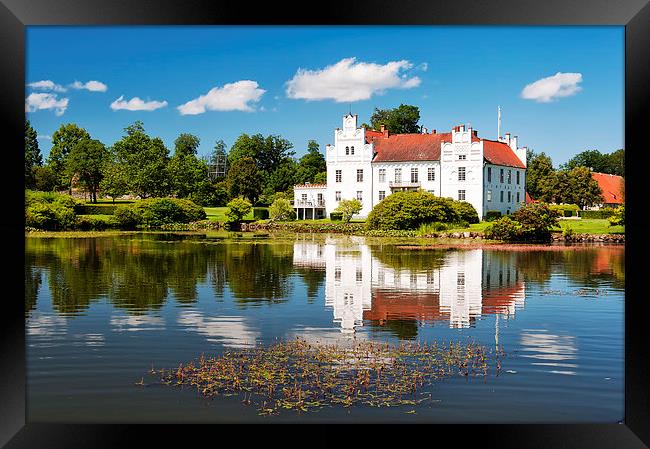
<point x="376" y="214"/>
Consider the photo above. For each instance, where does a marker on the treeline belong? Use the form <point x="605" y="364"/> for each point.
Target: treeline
<point x="257" y="166"/>
<point x="572" y="182"/>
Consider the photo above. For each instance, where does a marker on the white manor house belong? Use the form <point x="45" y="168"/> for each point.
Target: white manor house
<point x="370" y="165"/>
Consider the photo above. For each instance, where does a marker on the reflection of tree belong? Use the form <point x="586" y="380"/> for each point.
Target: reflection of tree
<point x="403" y="328"/>
<point x="415" y="260"/>
<point x="32" y="284"/>
<point x="313" y="279"/>
<point x="536" y="266"/>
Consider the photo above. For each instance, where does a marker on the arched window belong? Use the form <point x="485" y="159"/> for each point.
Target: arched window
<point x="347" y="151"/>
<point x="352" y="149"/>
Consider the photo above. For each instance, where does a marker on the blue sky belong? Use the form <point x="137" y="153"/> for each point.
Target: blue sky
<point x="299" y="81"/>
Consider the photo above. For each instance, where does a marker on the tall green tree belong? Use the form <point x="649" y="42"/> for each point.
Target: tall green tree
<point x="244" y="178"/>
<point x="144" y="161"/>
<point x="311" y="164"/>
<point x="575" y="186"/>
<point x="114" y="181"/>
<point x="611" y="163"/>
<point x="86" y="160"/>
<point x="63" y="140"/>
<point x="219" y="154"/>
<point x="539" y="171"/>
<point x="33" y="157"/>
<point x="400" y="120"/>
<point x="186" y="173"/>
<point x="186" y="144"/>
<point x="268" y="152"/>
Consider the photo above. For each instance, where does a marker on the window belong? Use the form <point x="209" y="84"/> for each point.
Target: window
<point x="398" y="175"/>
<point x="382" y="175"/>
<point x="509" y="196"/>
<point x="304" y="197"/>
<point x="517" y="177"/>
<point x="462" y="157"/>
<point x="502" y="196"/>
<point x="347" y="151"/>
<point x="509" y="176"/>
<point x="489" y="174"/>
<point x="359" y="275"/>
<point x="352" y="149"/>
<point x="414" y="175"/>
<point x="431" y="174"/>
<point x="360" y="175"/>
<point x="337" y="273"/>
<point x="461" y="173"/>
<point x="338" y="195"/>
<point x="461" y="195"/>
<point x="489" y="195"/>
<point x="518" y="197"/>
<point x="339" y="175"/>
<point x="359" y="195"/>
<point x="501" y="176"/>
<point x="382" y="194"/>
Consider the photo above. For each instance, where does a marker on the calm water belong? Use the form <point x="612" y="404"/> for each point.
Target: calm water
<point x="100" y="312"/>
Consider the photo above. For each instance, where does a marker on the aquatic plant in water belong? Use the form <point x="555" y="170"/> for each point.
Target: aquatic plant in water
<point x="301" y="376"/>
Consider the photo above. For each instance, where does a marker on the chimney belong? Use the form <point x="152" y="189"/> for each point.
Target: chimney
<point x="424" y="130"/>
<point x="384" y="131"/>
<point x="433" y="131"/>
<point x="475" y="133"/>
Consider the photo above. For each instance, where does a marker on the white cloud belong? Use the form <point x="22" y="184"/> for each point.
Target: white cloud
<point x="231" y="97"/>
<point x="348" y="80"/>
<point x="35" y="102"/>
<point x="93" y="86"/>
<point x="424" y="67"/>
<point x="47" y="85"/>
<point x="553" y="87"/>
<point x="137" y="104"/>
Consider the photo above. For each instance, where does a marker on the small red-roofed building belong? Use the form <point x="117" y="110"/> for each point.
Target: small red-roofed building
<point x="369" y="165"/>
<point x="612" y="188"/>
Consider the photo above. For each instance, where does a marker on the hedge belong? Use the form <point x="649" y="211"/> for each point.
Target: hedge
<point x="336" y="216"/>
<point x="95" y="223"/>
<point x="566" y="210"/>
<point x="156" y="212"/>
<point x="95" y="209"/>
<point x="602" y="213"/>
<point x="260" y="213"/>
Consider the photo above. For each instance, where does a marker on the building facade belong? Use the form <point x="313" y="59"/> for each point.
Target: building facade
<point x="370" y="165"/>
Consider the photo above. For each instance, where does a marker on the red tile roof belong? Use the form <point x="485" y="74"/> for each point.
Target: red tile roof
<point x="611" y="186"/>
<point x="529" y="199"/>
<point x="371" y="134"/>
<point x="426" y="147"/>
<point x="499" y="153"/>
<point x="409" y="147"/>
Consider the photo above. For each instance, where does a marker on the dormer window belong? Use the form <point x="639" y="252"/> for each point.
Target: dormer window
<point x="352" y="150"/>
<point x="347" y="151"/>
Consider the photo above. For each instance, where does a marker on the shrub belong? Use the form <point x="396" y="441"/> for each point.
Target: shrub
<point x="602" y="213"/>
<point x="126" y="217"/>
<point x="618" y="217"/>
<point x="430" y="228"/>
<point x="568" y="231"/>
<point x="532" y="222"/>
<point x="336" y="216"/>
<point x="262" y="213"/>
<point x="282" y="210"/>
<point x="466" y="211"/>
<point x="156" y="212"/>
<point x="33" y="196"/>
<point x="237" y="209"/>
<point x="566" y="210"/>
<point x="95" y="223"/>
<point x="537" y="220"/>
<point x="349" y="208"/>
<point x="408" y="210"/>
<point x="492" y="215"/>
<point x="52" y="216"/>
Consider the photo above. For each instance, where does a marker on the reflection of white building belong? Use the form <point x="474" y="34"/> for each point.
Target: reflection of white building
<point x="370" y="165"/>
<point x="359" y="286"/>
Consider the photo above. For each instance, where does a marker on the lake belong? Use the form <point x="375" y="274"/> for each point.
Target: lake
<point x="103" y="311"/>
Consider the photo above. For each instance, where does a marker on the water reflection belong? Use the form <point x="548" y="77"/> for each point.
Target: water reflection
<point x="396" y="289"/>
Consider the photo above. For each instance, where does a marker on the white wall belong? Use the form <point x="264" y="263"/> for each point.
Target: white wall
<point x="496" y="186"/>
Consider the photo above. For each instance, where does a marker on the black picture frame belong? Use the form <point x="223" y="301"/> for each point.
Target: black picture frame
<point x="634" y="432"/>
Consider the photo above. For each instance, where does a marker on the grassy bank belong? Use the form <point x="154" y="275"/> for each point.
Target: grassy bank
<point x="582" y="226"/>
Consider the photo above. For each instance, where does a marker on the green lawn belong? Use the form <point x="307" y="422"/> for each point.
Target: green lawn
<point x="582" y="226"/>
<point x="219" y="214"/>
